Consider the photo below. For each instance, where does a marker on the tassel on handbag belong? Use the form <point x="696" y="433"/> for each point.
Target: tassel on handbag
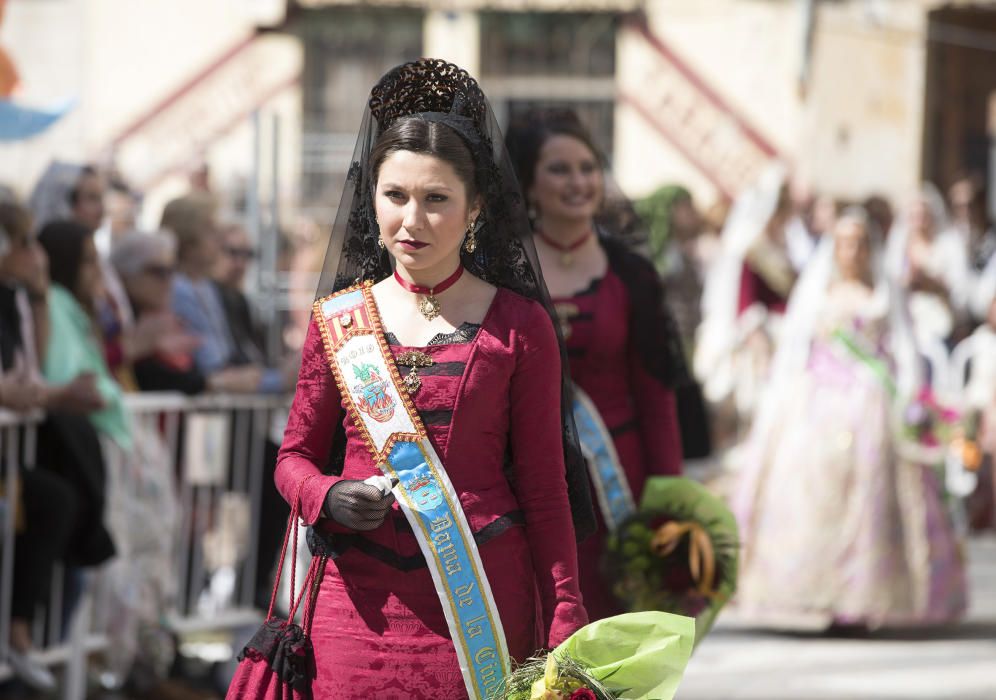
<point x="278" y="663"/>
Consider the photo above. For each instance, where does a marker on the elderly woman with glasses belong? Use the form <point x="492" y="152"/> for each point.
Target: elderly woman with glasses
<point x="146" y="263"/>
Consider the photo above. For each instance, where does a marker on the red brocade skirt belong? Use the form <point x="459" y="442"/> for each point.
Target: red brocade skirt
<point x="380" y="633"/>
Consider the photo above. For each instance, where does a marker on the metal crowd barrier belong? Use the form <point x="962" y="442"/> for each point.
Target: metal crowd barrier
<point x="213" y="449"/>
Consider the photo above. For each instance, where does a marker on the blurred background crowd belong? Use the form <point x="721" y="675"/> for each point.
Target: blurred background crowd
<point x="169" y="171"/>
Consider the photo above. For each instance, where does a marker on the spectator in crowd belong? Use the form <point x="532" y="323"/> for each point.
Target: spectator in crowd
<point x="122" y="209"/>
<point x="196" y="299"/>
<point x="121" y="206"/>
<point x="73" y="347"/>
<point x="811" y="222"/>
<point x="237" y="253"/>
<point x="675" y="228"/>
<point x="813" y="215"/>
<point x="967" y="200"/>
<point x="60" y="500"/>
<point x="768" y="275"/>
<point x="880" y="212"/>
<point x="69" y="191"/>
<point x="247" y="332"/>
<point x="45" y="505"/>
<point x="745" y="296"/>
<point x="929" y="259"/>
<point x="249" y="339"/>
<point x="146" y="263"/>
<point x="76" y="193"/>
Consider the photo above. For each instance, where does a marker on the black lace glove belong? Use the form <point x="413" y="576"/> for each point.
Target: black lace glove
<point x="357" y="505"/>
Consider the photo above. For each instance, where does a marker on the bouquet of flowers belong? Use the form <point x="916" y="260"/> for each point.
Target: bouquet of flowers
<point x="677" y="554"/>
<point x="943" y="439"/>
<point x="927" y="422"/>
<point x="637" y="656"/>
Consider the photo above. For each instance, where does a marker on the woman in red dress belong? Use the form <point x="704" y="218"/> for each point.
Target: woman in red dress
<point x="483" y="370"/>
<point x="622" y="343"/>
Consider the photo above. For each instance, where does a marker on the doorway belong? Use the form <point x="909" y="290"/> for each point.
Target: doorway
<point x="959" y="123"/>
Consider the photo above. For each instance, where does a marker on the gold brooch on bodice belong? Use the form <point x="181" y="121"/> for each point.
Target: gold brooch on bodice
<point x="565" y="312"/>
<point x="413" y="359"/>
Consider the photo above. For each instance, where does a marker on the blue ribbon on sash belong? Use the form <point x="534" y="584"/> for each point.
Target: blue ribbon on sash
<point x="424" y="495"/>
<point x="611" y="487"/>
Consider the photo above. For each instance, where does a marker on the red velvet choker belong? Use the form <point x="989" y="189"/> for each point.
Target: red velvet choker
<point x="429" y="305"/>
<point x="566" y="251"/>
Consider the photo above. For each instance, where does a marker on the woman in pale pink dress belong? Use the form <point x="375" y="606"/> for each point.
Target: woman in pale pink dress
<point x="839" y="525"/>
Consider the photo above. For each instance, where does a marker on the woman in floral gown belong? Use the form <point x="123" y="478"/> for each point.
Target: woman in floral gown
<point x="839" y="524"/>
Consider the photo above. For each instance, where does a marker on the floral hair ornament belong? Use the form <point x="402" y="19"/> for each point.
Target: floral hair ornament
<point x="636" y="656"/>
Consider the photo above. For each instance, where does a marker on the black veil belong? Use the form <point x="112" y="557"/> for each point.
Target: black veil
<point x="505" y="255"/>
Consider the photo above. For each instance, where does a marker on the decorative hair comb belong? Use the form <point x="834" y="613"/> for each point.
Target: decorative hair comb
<point x="427" y="85"/>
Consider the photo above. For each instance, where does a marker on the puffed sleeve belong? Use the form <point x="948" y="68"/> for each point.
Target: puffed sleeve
<point x="314" y="415"/>
<point x="657" y="414"/>
<point x="539" y="474"/>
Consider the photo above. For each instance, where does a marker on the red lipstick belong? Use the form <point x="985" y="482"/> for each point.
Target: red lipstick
<point x="411" y="244"/>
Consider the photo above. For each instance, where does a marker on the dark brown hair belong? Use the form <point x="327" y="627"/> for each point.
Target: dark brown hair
<point x="527" y="134"/>
<point x="74" y="193"/>
<point x="63" y="241"/>
<point x="431" y="138"/>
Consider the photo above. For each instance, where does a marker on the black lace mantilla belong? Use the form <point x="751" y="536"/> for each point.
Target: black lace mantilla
<point x="505" y="255"/>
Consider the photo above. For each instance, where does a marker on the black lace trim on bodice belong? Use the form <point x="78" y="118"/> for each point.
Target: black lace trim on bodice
<point x="464" y="333"/>
<point x="588" y="291"/>
<point x="333" y="545"/>
<point x="592" y="288"/>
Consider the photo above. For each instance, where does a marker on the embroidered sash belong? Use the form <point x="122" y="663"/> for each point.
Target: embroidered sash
<point x="611" y="487"/>
<point x="371" y="387"/>
<point x="867" y="357"/>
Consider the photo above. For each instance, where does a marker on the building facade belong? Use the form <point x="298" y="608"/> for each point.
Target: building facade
<point x="857" y="97"/>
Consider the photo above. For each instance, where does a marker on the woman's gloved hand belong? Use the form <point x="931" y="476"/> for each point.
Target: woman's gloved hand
<point x="357" y="505"/>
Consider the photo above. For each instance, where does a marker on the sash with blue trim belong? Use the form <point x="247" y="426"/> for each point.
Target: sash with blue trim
<point x="614" y="497"/>
<point x="385" y="415"/>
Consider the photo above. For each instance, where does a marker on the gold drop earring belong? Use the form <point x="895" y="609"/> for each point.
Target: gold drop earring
<point x="470" y="242"/>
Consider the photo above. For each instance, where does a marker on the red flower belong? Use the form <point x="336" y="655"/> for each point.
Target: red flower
<point x="583" y="694"/>
<point x="658" y="520"/>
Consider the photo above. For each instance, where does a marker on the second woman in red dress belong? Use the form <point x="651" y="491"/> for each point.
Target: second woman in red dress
<point x="623" y="346"/>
